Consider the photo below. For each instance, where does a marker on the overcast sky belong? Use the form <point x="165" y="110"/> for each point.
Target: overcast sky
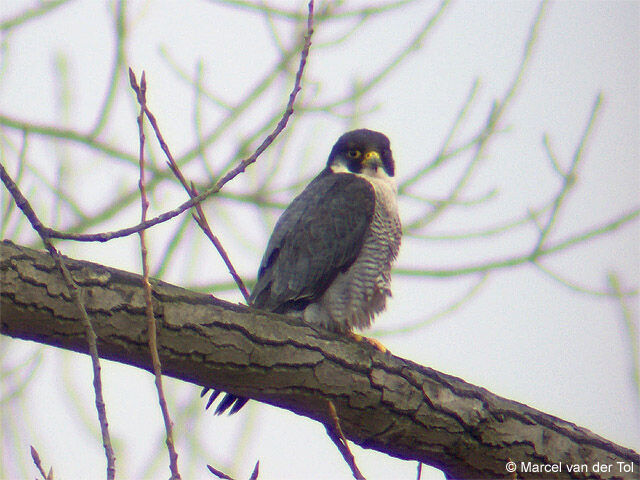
<point x="523" y="335"/>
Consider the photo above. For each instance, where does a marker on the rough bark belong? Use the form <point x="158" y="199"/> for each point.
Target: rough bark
<point x="383" y="402"/>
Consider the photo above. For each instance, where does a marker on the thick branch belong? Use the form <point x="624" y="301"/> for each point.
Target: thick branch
<point x="382" y="401"/>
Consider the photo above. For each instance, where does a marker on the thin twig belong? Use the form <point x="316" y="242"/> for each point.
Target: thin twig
<point x="496" y="229"/>
<point x="36" y="459"/>
<point x="127" y="198"/>
<point x="414" y="44"/>
<point x="199" y="216"/>
<point x="546" y="142"/>
<point x="10" y="203"/>
<point x="470" y="201"/>
<point x="19" y="377"/>
<point x="254" y="95"/>
<point x="568" y="178"/>
<point x="328" y="13"/>
<point x="108" y="102"/>
<point x="198" y="109"/>
<point x="256" y="471"/>
<point x="202" y="222"/>
<point x="525" y="258"/>
<point x="174" y="241"/>
<point x="151" y="321"/>
<point x="23" y="204"/>
<point x="495" y="114"/>
<point x="631" y="329"/>
<point x="444" y="312"/>
<point x="335" y="433"/>
<point x="30" y="14"/>
<point x="441" y="157"/>
<point x="70" y="135"/>
<point x="241" y="167"/>
<point x="610" y="226"/>
<point x="224" y="476"/>
<point x="573" y="285"/>
<point x="218" y="473"/>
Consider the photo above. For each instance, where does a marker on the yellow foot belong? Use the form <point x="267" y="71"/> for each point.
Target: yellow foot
<point x="371" y="341"/>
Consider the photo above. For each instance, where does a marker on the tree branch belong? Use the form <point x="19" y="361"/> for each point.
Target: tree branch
<point x="383" y="402"/>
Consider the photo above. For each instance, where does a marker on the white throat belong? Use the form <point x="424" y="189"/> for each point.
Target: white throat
<point x="377" y="177"/>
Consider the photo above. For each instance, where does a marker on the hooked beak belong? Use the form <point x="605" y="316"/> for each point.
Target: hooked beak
<point x="372" y="160"/>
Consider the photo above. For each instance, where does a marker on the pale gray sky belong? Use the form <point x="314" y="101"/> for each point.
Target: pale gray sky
<point x="524" y="335"/>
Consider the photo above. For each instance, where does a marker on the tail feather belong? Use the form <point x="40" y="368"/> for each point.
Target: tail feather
<point x="229" y="402"/>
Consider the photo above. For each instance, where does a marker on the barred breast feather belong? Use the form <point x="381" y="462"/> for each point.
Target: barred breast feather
<point x="359" y="293"/>
<point x="329" y="257"/>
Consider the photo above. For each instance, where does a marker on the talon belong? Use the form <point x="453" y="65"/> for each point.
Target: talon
<point x="371" y="341"/>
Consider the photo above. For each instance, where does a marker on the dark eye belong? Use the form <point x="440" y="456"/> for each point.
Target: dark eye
<point x="353" y="153"/>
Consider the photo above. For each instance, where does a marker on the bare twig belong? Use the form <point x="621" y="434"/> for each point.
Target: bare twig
<point x="546" y="142"/>
<point x="10" y="203"/>
<point x="151" y="321"/>
<point x="328" y="13"/>
<point x="113" y="151"/>
<point x="199" y="216"/>
<point x="496" y="229"/>
<point x="335" y="433"/>
<point x="167" y="255"/>
<point x="36" y="460"/>
<point x="218" y="473"/>
<point x="441" y="156"/>
<point x="107" y="103"/>
<point x="256" y="471"/>
<point x="448" y="310"/>
<point x="470" y="201"/>
<point x="288" y="111"/>
<point x="549" y="249"/>
<point x="224" y="476"/>
<point x="630" y="327"/>
<point x="397" y="58"/>
<point x="573" y="285"/>
<point x="16" y="379"/>
<point x="70" y="135"/>
<point x="488" y="130"/>
<point x="23" y="204"/>
<point x="202" y="222"/>
<point x="25" y="16"/>
<point x="241" y="167"/>
<point x="569" y="177"/>
<point x="198" y="93"/>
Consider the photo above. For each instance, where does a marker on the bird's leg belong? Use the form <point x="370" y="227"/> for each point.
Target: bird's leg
<point x="371" y="341"/>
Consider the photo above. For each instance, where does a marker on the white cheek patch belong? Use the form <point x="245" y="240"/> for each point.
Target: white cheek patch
<point x="378" y="176"/>
<point x="340" y="167"/>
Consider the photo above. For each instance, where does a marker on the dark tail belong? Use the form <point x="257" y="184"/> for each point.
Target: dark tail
<point x="229" y="402"/>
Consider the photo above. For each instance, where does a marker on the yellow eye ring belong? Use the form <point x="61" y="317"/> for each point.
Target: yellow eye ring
<point x="354" y="154"/>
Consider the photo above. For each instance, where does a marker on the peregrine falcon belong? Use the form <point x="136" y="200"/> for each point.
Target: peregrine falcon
<point x="329" y="258"/>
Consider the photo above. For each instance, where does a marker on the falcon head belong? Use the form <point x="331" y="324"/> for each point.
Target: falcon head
<point x="362" y="152"/>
